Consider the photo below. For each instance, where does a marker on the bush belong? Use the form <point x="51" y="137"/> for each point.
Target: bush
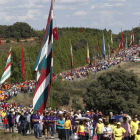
<point x="114" y="91"/>
<point x="8" y="41"/>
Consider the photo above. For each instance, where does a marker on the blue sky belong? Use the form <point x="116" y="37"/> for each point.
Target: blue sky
<point x="109" y="14"/>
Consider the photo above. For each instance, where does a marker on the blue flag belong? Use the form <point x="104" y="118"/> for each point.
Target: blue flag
<point x="104" y="52"/>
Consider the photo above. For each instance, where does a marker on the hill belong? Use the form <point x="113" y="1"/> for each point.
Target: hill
<point x="18" y="32"/>
<point x="70" y="94"/>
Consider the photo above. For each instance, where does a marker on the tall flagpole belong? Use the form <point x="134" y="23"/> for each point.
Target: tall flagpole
<point x="52" y="64"/>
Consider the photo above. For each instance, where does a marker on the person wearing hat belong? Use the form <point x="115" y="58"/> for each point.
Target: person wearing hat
<point x="119" y="132"/>
<point x="126" y="126"/>
<point x="98" y="129"/>
<point x="134" y="127"/>
<point x="106" y="132"/>
<point x="87" y="114"/>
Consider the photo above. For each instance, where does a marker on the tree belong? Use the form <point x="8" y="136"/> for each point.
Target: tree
<point x="114" y="91"/>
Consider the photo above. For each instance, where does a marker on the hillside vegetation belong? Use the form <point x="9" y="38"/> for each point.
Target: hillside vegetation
<point x="14" y="34"/>
<point x="98" y="91"/>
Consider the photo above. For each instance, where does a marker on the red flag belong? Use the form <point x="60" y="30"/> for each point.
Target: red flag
<point x="23" y="70"/>
<point x="121" y="42"/>
<point x="80" y="30"/>
<point x="55" y="33"/>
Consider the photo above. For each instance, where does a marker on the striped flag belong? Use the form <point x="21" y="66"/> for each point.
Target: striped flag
<point x="44" y="67"/>
<point x="132" y="38"/>
<point x="121" y="42"/>
<point x="88" y="57"/>
<point x="7" y="70"/>
<point x="103" y="49"/>
<point x="71" y="54"/>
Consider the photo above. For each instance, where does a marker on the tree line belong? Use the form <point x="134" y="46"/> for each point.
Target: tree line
<point x="61" y="47"/>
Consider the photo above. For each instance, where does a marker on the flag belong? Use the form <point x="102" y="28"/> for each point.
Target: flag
<point x="111" y="40"/>
<point x="7" y="70"/>
<point x="44" y="67"/>
<point x="112" y="50"/>
<point x="55" y="33"/>
<point x="80" y="30"/>
<point x="88" y="57"/>
<point x="97" y="51"/>
<point x="121" y="42"/>
<point x="94" y="56"/>
<point x="22" y="67"/>
<point x="0" y="41"/>
<point x="71" y="54"/>
<point x="109" y="51"/>
<point x="132" y="38"/>
<point x="103" y="49"/>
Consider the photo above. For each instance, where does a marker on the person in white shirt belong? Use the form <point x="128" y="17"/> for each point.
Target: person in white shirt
<point x="106" y="132"/>
<point x="78" y="114"/>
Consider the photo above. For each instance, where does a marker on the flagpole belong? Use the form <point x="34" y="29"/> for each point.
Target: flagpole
<point x="52" y="70"/>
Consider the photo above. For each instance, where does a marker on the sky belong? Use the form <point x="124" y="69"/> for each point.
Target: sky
<point x="100" y="14"/>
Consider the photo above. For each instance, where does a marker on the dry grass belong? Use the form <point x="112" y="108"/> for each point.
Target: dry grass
<point x="14" y="136"/>
<point x="24" y="99"/>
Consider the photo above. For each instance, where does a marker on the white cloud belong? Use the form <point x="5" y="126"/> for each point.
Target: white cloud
<point x="60" y="7"/>
<point x="6" y="1"/>
<point x="80" y="13"/>
<point x="31" y="14"/>
<point x="73" y="1"/>
<point x="6" y="17"/>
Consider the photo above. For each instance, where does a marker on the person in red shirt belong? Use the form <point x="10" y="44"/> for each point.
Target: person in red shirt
<point x="5" y="123"/>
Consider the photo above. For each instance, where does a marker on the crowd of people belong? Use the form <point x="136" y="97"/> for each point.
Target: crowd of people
<point x="67" y="125"/>
<point x="8" y="91"/>
<point x="123" y="56"/>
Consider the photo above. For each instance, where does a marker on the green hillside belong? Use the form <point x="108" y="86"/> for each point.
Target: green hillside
<point x="14" y="34"/>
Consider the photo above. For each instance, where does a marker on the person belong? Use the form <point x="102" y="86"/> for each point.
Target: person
<point x="68" y="127"/>
<point x="46" y="120"/>
<point x="60" y="127"/>
<point x="91" y="129"/>
<point x="35" y="119"/>
<point x="79" y="114"/>
<point x="81" y="131"/>
<point x="74" y="125"/>
<point x="134" y="127"/>
<point x="98" y="128"/>
<point x="11" y="120"/>
<point x="119" y="132"/>
<point x="137" y="137"/>
<point x="106" y="132"/>
<point x="5" y="123"/>
<point x="28" y="122"/>
<point x="23" y="123"/>
<point x="52" y="125"/>
<point x="87" y="130"/>
<point x="126" y="126"/>
<point x="18" y="124"/>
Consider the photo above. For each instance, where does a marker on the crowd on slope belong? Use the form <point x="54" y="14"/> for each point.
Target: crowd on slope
<point x="123" y="56"/>
<point x="70" y="124"/>
<point x="7" y="91"/>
